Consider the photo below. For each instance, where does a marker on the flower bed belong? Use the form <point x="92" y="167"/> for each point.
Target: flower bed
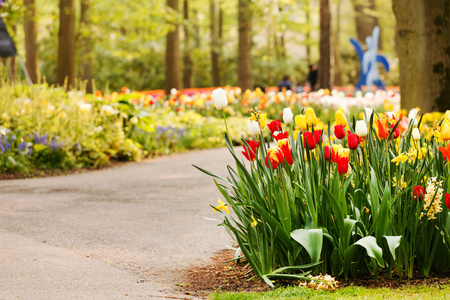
<point x="355" y="197"/>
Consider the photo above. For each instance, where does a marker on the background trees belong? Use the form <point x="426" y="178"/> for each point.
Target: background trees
<point x="239" y="42"/>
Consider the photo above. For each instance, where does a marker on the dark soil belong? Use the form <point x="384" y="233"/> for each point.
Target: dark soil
<point x="235" y="276"/>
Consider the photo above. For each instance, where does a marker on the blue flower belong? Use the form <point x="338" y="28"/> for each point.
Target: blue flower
<point x="22" y="146"/>
<point x="8" y="146"/>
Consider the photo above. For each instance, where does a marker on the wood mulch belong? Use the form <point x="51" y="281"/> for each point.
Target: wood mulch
<point x="199" y="281"/>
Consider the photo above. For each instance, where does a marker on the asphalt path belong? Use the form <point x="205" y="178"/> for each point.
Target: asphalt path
<point x="120" y="233"/>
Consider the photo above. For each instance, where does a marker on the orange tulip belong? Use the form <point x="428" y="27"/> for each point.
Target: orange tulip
<point x="382" y="129"/>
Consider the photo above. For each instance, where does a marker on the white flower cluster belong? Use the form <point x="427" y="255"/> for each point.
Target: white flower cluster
<point x="433" y="198"/>
<point x="320" y="282"/>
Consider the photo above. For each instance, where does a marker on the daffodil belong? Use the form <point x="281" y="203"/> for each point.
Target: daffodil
<point x="254" y="223"/>
<point x="401" y="184"/>
<point x="401" y="158"/>
<point x="222" y="206"/>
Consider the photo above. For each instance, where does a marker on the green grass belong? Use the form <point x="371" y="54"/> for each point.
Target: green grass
<point x="423" y="292"/>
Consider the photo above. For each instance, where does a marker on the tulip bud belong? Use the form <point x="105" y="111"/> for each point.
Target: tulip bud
<point x="310" y="116"/>
<point x="219" y="98"/>
<point x="340" y="118"/>
<point x="447" y="200"/>
<point x="339" y="132"/>
<point x="300" y="121"/>
<point x="447" y="115"/>
<point x="416" y="134"/>
<point x="262" y="120"/>
<point x="327" y="152"/>
<point x="419" y="192"/>
<point x="308" y="140"/>
<point x="253" y="127"/>
<point x="361" y="128"/>
<point x="445" y="130"/>
<point x="352" y="141"/>
<point x="287" y="115"/>
<point x="367" y="114"/>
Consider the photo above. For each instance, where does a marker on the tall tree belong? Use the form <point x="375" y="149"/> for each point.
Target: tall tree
<point x="85" y="44"/>
<point x="423" y="48"/>
<point x="245" y="76"/>
<point x="365" y="19"/>
<point x="30" y="32"/>
<point x="214" y="44"/>
<point x="188" y="81"/>
<point x="337" y="55"/>
<point x="66" y="48"/>
<point x="325" y="45"/>
<point x="173" y="65"/>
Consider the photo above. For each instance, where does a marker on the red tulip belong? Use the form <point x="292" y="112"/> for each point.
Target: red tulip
<point x="339" y="132"/>
<point x="327" y="152"/>
<point x="396" y="133"/>
<point x="281" y="135"/>
<point x="251" y="151"/>
<point x="285" y="146"/>
<point x="342" y="158"/>
<point x="342" y="164"/>
<point x="445" y="151"/>
<point x="318" y="136"/>
<point x="447" y="200"/>
<point x="352" y="141"/>
<point x="419" y="192"/>
<point x="309" y="137"/>
<point x="274" y="156"/>
<point x="274" y="126"/>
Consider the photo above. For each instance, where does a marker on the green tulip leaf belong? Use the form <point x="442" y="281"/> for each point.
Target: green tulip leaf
<point x="311" y="240"/>
<point x="393" y="243"/>
<point x="372" y="248"/>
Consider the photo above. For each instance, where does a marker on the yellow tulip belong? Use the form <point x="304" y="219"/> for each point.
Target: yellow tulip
<point x="300" y="121"/>
<point x="340" y="118"/>
<point x="447" y="115"/>
<point x="310" y="115"/>
<point x="445" y="130"/>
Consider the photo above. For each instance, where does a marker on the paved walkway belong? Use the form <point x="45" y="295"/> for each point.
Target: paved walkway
<point x="119" y="233"/>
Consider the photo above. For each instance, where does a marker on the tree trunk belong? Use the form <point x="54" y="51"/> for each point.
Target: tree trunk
<point x="86" y="47"/>
<point x="214" y="45"/>
<point x="423" y="43"/>
<point x="437" y="20"/>
<point x="365" y="19"/>
<point x="66" y="48"/>
<point x="173" y="66"/>
<point x="245" y="77"/>
<point x="337" y="58"/>
<point x="325" y="45"/>
<point x="31" y="53"/>
<point x="188" y="66"/>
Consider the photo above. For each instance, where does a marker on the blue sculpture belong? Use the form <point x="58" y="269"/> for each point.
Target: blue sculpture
<point x="369" y="71"/>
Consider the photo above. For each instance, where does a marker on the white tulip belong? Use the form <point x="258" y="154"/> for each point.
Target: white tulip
<point x="253" y="127"/>
<point x="219" y="98"/>
<point x="361" y="128"/>
<point x="416" y="134"/>
<point x="287" y="115"/>
<point x="367" y="114"/>
<point x="412" y="116"/>
<point x="173" y="91"/>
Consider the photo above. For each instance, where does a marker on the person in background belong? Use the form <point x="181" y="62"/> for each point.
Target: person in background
<point x="312" y="77"/>
<point x="284" y="83"/>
